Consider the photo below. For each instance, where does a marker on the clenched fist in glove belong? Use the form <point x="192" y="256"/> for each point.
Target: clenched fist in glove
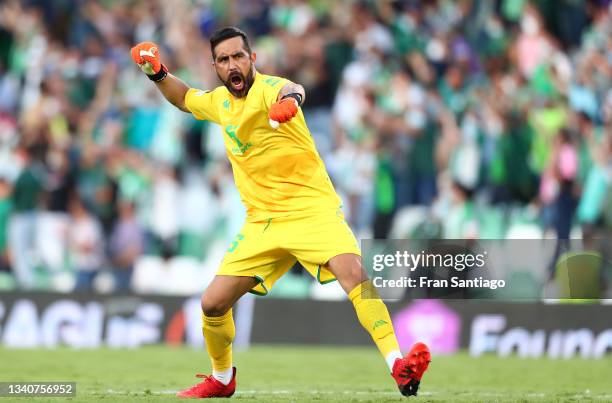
<point x="283" y="111"/>
<point x="146" y="56"/>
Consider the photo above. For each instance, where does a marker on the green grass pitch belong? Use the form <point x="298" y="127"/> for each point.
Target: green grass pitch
<point x="298" y="374"/>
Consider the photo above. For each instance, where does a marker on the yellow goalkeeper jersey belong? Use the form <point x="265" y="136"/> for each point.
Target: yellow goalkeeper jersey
<point x="277" y="172"/>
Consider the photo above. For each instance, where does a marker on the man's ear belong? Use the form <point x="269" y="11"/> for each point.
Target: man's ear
<point x="253" y="56"/>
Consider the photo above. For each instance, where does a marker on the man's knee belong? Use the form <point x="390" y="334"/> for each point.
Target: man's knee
<point x="348" y="270"/>
<point x="355" y="276"/>
<point x="354" y="270"/>
<point x="212" y="306"/>
<point x="357" y="273"/>
<point x="223" y="292"/>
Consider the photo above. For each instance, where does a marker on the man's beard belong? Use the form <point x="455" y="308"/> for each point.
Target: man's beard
<point x="247" y="82"/>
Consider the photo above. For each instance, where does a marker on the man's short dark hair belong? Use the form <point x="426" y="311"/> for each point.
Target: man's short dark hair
<point x="226" y="33"/>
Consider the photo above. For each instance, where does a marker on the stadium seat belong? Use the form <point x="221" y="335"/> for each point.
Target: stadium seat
<point x="63" y="281"/>
<point x="183" y="277"/>
<point x="524" y="231"/>
<point x="213" y="259"/>
<point x="148" y="273"/>
<point x="7" y="282"/>
<point x="521" y="285"/>
<point x="292" y="286"/>
<point x="327" y="292"/>
<point x="42" y="278"/>
<point x="104" y="283"/>
<point x="192" y="244"/>
<point x="491" y="223"/>
<point x="578" y="275"/>
<point x="407" y="220"/>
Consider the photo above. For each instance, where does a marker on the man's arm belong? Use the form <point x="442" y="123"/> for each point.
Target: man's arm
<point x="292" y="88"/>
<point x="289" y="99"/>
<point x="174" y="90"/>
<point x="146" y="56"/>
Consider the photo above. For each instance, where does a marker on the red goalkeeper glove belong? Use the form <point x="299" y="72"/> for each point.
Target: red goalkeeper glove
<point x="146" y="56"/>
<point x="283" y="110"/>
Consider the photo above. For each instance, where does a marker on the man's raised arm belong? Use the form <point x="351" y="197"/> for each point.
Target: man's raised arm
<point x="146" y="56"/>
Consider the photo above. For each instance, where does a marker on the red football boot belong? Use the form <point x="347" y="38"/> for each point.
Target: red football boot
<point x="209" y="387"/>
<point x="409" y="370"/>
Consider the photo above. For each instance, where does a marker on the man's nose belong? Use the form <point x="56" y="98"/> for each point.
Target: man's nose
<point x="232" y="65"/>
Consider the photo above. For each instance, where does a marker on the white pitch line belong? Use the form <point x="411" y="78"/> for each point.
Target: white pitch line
<point x="313" y="393"/>
<point x="267" y="392"/>
<point x="255" y="392"/>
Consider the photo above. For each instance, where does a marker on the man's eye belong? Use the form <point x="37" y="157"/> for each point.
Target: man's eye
<point x="238" y="55"/>
<point x="222" y="59"/>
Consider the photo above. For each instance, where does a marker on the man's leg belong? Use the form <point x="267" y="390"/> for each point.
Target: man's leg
<point x="374" y="317"/>
<point x="218" y="323"/>
<point x="371" y="311"/>
<point x="218" y="329"/>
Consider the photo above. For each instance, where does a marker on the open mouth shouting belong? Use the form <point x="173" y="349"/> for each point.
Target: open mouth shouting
<point x="236" y="81"/>
<point x="239" y="84"/>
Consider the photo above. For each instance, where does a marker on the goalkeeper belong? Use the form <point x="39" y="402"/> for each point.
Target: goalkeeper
<point x="293" y="212"/>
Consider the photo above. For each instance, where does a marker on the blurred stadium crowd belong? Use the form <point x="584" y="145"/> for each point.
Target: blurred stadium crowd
<point x="458" y="119"/>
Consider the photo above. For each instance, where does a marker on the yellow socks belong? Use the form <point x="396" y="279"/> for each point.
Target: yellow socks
<point x="219" y="332"/>
<point x="374" y="317"/>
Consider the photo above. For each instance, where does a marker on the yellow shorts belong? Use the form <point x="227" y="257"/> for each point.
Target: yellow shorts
<point x="268" y="249"/>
